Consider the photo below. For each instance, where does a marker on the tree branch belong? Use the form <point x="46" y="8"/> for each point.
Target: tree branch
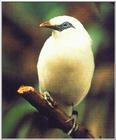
<point x="52" y="111"/>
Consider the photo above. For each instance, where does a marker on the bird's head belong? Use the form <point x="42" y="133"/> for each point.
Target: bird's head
<point x="67" y="26"/>
<point x="62" y="23"/>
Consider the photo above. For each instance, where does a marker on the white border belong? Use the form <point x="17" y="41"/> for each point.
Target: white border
<point x="58" y="0"/>
<point x="1" y="49"/>
<point x="0" y="69"/>
<point x="114" y="71"/>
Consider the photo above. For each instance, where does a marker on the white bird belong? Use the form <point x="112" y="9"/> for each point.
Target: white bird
<point x="66" y="64"/>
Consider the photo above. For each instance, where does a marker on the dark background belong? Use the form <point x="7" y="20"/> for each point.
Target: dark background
<point x="22" y="40"/>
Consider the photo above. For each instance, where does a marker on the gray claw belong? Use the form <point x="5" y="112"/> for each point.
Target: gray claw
<point x="48" y="98"/>
<point x="75" y="124"/>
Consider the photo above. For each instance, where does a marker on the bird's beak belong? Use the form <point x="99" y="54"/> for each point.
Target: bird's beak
<point x="46" y="24"/>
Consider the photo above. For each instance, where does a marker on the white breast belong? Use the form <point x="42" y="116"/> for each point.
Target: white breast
<point x="65" y="70"/>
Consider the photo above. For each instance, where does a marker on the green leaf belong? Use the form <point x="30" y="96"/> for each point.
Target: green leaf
<point x="14" y="115"/>
<point x="97" y="34"/>
<point x="24" y="130"/>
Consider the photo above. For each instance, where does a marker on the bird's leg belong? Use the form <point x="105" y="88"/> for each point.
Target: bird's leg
<point x="74" y="118"/>
<point x="48" y="98"/>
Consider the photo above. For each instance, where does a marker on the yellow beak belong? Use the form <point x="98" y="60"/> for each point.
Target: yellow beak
<point x="45" y="24"/>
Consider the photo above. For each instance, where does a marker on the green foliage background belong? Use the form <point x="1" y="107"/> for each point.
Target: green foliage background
<point x="22" y="40"/>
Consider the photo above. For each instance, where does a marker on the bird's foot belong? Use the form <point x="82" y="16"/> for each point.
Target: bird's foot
<point x="49" y="99"/>
<point x="74" y="119"/>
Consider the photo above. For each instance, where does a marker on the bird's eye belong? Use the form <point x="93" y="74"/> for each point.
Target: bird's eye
<point x="65" y="24"/>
